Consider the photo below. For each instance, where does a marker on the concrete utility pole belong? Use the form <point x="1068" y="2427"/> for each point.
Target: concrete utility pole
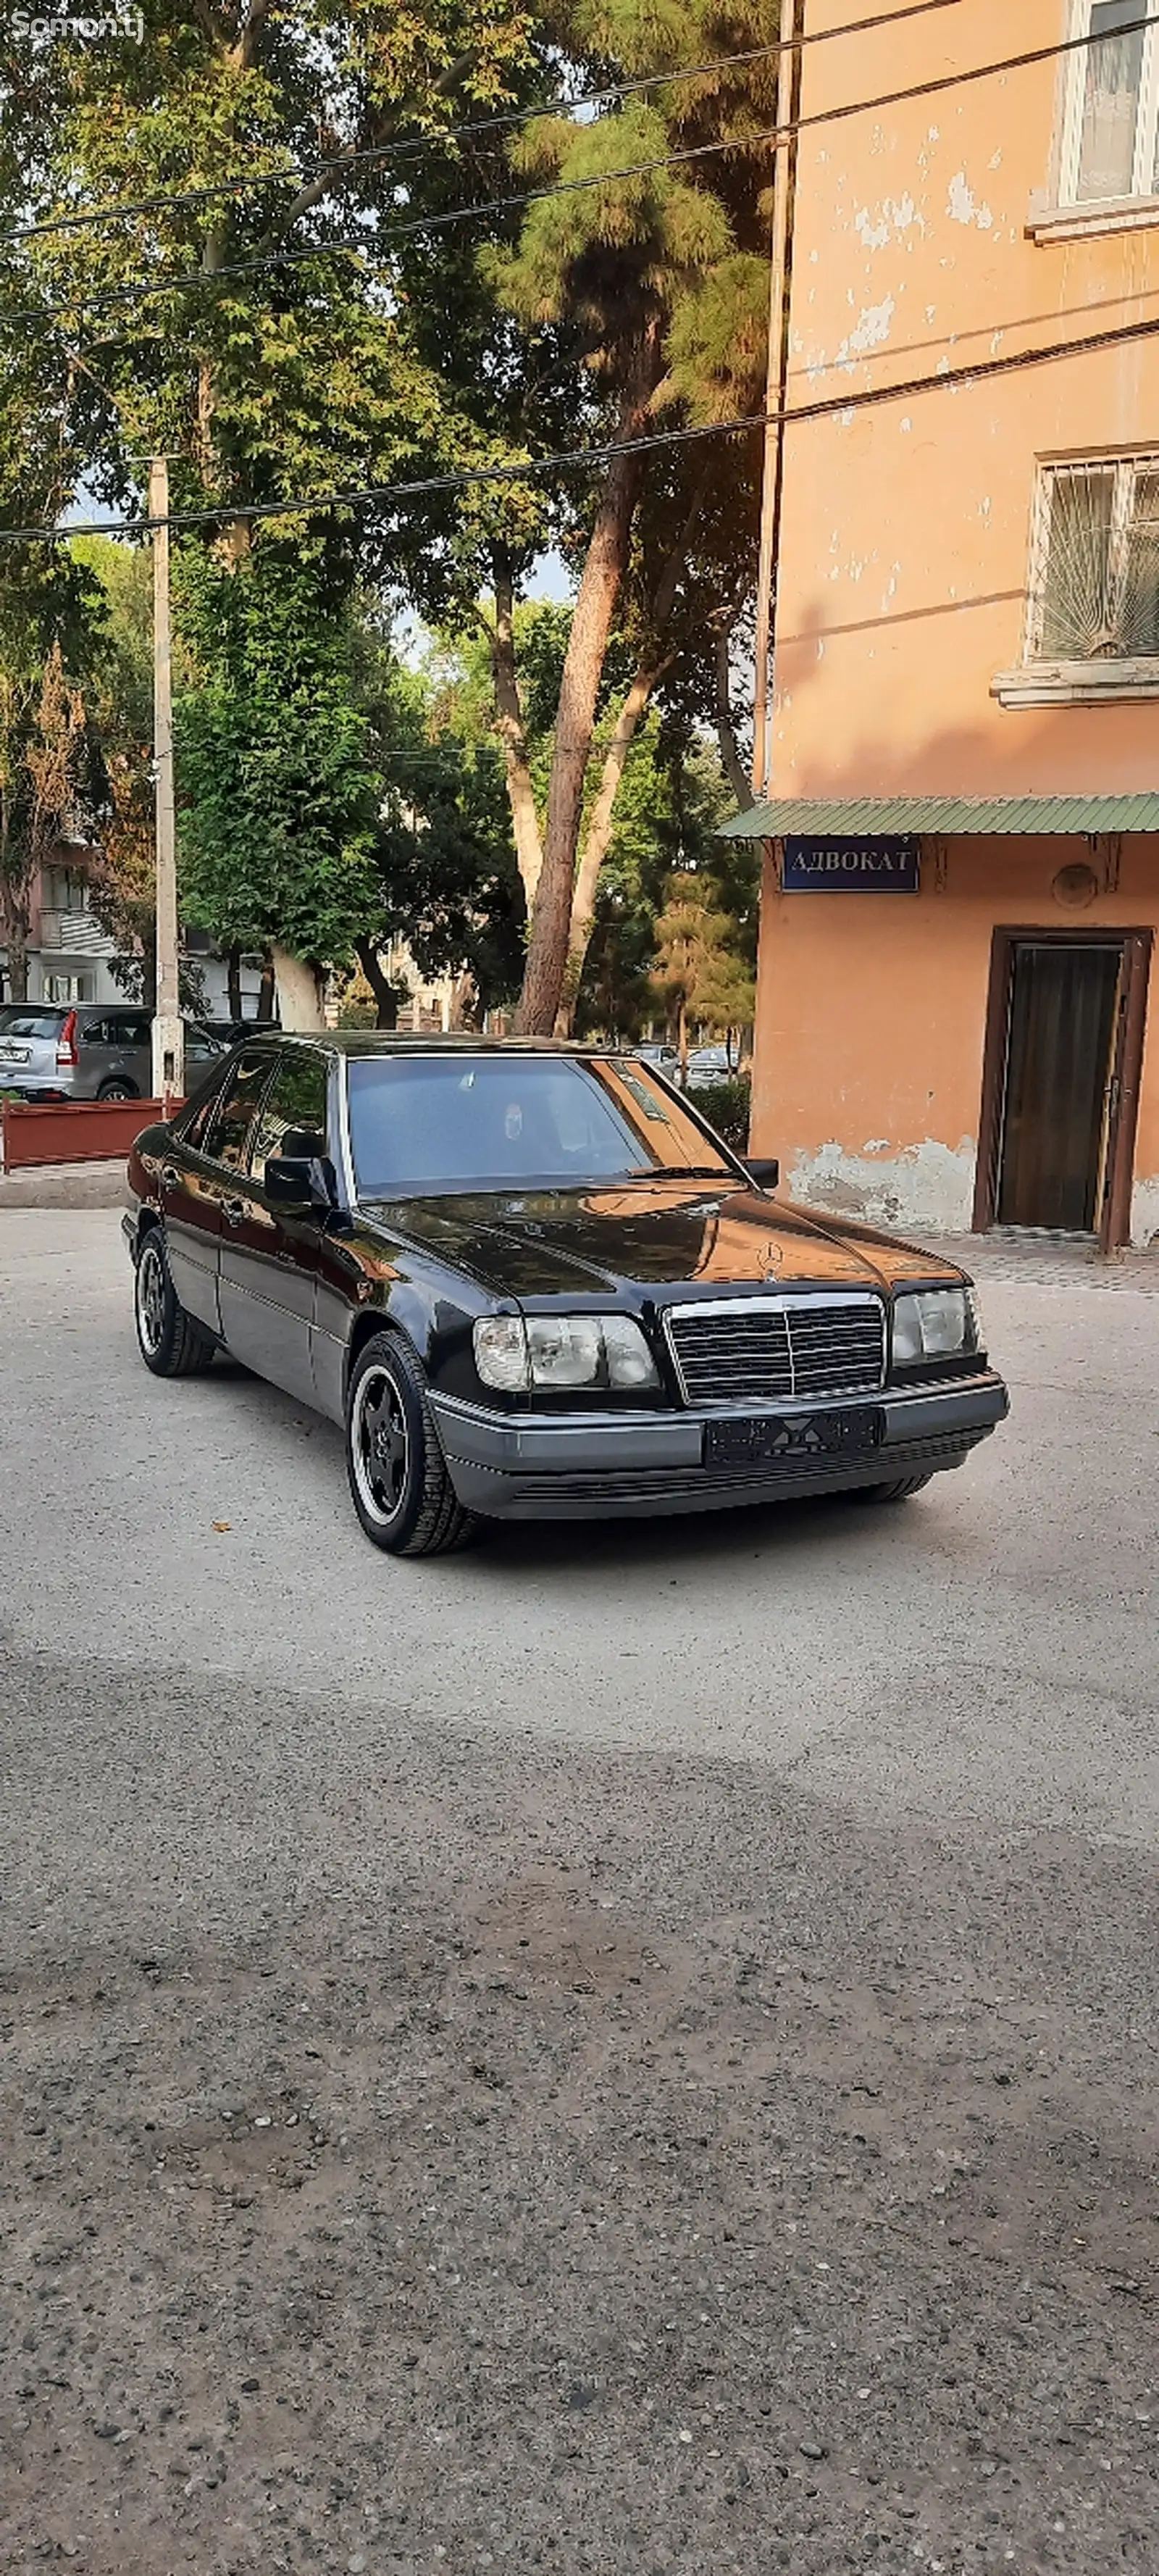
<point x="168" y="1033"/>
<point x="776" y="387"/>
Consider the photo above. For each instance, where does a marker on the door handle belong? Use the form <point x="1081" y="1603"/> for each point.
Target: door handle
<point x="233" y="1210"/>
<point x="170" y="1175"/>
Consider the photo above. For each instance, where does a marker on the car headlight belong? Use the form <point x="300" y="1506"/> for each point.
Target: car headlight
<point x="501" y="1351"/>
<point x="935" y="1324"/>
<point x="562" y="1350"/>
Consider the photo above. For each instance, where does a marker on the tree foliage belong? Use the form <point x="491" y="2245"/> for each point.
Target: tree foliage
<point x="48" y="614"/>
<point x="277" y="807"/>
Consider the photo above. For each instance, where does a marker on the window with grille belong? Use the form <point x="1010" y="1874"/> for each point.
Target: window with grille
<point x="1095" y="584"/>
<point x="1111" y="146"/>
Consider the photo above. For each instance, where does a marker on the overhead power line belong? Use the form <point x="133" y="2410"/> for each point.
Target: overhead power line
<point x="594" y="459"/>
<point x="370" y="244"/>
<point x="420" y="146"/>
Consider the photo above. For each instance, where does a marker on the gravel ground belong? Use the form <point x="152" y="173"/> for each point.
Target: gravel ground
<point x="631" y="2050"/>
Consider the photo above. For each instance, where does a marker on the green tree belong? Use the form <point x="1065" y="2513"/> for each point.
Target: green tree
<point x="448" y="883"/>
<point x="47" y="614"/>
<point x="701" y="973"/>
<point x="657" y="283"/>
<point x="122" y="876"/>
<point x="278" y="805"/>
<point x="289" y="378"/>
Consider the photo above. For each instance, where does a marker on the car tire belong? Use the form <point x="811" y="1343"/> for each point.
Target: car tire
<point x="169" y="1341"/>
<point x="898" y="1491"/>
<point x="399" y="1483"/>
<point x="118" y="1091"/>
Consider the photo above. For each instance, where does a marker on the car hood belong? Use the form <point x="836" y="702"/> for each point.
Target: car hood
<point x="646" y="1235"/>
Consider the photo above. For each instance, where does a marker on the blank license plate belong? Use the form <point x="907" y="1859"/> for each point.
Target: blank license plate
<point x="737" y="1443"/>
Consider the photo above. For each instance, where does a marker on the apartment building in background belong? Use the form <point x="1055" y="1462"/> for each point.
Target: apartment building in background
<point x="70" y="955"/>
<point x="958" y="1014"/>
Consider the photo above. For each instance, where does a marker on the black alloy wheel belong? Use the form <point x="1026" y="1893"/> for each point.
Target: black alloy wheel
<point x="402" y="1493"/>
<point x="169" y="1341"/>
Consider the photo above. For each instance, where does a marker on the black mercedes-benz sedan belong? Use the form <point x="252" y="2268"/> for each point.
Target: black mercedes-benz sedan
<point x="530" y="1282"/>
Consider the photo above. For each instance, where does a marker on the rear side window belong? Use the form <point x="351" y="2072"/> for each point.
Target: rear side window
<point x="293" y="1120"/>
<point x="18" y="1021"/>
<point x="194" y="1126"/>
<point x="228" y="1133"/>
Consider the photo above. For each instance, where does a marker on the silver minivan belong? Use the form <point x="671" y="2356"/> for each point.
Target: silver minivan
<point x="89" y="1050"/>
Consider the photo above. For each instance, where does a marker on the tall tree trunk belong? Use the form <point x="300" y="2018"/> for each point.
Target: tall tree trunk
<point x="266" y="988"/>
<point x="385" y="996"/>
<point x="233" y="981"/>
<point x="510" y="728"/>
<point x="730" y="759"/>
<point x="583" y="670"/>
<point x="16" y="942"/>
<point x="299" y="992"/>
<point x="596" y="840"/>
<point x="650" y="668"/>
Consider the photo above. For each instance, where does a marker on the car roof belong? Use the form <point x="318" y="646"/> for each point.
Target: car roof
<point x="364" y="1042"/>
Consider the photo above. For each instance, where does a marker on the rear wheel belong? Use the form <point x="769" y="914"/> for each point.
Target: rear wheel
<point x="898" y="1491"/>
<point x="118" y="1090"/>
<point x="169" y="1341"/>
<point x="402" y="1493"/>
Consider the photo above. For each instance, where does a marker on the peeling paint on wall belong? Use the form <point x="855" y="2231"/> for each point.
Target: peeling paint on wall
<point x="928" y="1188"/>
<point x="873" y="327"/>
<point x="1144" y="1213"/>
<point x="963" y="207"/>
<point x="895" y="216"/>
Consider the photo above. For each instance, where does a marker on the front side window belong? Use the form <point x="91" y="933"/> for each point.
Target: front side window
<point x="434" y="1123"/>
<point x="1095" y="587"/>
<point x="1112" y="148"/>
<point x="228" y="1134"/>
<point x="293" y="1120"/>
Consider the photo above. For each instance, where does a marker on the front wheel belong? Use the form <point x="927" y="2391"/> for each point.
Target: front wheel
<point x="118" y="1091"/>
<point x="169" y="1341"/>
<point x="898" y="1491"/>
<point x="402" y="1493"/>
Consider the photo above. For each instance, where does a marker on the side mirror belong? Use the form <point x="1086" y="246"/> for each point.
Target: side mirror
<point x="764" y="1169"/>
<point x="299" y="1181"/>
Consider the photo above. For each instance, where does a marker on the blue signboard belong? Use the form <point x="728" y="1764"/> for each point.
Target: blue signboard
<point x="840" y="866"/>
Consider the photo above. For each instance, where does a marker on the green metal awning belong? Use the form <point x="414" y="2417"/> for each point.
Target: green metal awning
<point x="867" y="817"/>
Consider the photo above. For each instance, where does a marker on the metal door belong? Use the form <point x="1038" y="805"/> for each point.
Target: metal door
<point x="1056" y="1104"/>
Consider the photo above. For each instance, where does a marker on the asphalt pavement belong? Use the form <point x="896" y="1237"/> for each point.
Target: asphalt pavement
<point x="630" y="2048"/>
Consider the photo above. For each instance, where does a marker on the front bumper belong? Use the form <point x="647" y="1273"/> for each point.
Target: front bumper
<point x="592" y="1466"/>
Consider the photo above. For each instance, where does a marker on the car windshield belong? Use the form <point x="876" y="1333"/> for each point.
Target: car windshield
<point x="19" y="1020"/>
<point x="430" y="1123"/>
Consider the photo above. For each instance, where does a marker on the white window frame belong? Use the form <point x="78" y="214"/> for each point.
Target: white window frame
<point x="1147" y="125"/>
<point x="1084" y="680"/>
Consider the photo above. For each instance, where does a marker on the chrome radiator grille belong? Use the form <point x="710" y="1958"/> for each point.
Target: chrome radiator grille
<point x="760" y="1350"/>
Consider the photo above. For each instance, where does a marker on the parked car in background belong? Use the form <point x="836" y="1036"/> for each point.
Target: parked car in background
<point x="709" y="1064"/>
<point x="667" y="1057"/>
<point x="90" y="1050"/>
<point x="531" y="1283"/>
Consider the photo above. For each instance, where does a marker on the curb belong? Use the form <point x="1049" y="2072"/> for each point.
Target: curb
<point x="64" y="1185"/>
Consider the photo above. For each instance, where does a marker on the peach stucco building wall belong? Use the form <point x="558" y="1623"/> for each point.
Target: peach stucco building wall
<point x="872" y="1012"/>
<point x="903" y="581"/>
